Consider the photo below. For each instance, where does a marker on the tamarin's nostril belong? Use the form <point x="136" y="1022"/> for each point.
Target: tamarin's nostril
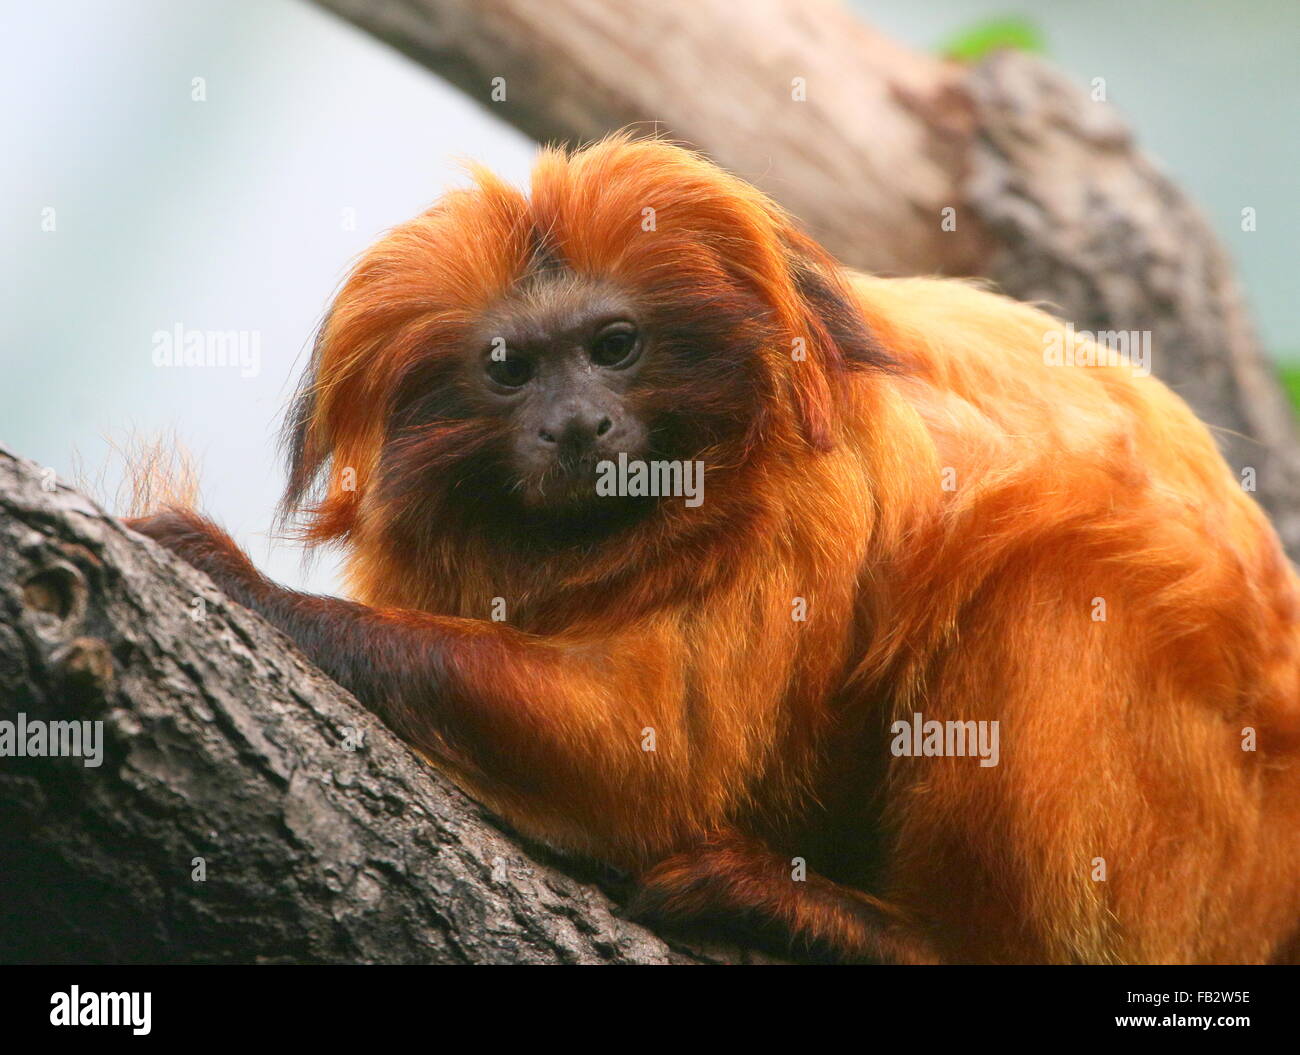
<point x="604" y="426"/>
<point x="546" y="436"/>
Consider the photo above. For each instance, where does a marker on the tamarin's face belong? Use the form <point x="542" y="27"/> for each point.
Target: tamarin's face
<point x="561" y="372"/>
<point x="559" y="364"/>
<point x="484" y="359"/>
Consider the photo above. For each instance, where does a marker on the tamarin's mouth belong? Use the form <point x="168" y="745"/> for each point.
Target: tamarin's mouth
<point x="567" y="483"/>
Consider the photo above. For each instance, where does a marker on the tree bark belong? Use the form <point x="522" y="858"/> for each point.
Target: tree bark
<point x="228" y="820"/>
<point x="1053" y="201"/>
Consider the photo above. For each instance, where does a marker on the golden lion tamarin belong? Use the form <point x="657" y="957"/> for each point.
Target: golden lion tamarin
<point x="919" y="539"/>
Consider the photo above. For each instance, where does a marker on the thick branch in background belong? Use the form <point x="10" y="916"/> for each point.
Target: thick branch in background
<point x="222" y="743"/>
<point x="1053" y="200"/>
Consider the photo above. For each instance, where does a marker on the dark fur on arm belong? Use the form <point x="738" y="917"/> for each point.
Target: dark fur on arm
<point x="394" y="663"/>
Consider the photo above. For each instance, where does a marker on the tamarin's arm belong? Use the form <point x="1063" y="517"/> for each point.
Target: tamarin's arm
<point x="532" y="721"/>
<point x="550" y="734"/>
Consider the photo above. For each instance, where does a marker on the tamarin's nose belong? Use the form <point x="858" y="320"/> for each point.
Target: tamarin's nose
<point x="577" y="430"/>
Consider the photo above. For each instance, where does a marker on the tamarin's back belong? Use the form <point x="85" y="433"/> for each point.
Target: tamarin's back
<point x="982" y="384"/>
<point x="1061" y="548"/>
<point x="1003" y="375"/>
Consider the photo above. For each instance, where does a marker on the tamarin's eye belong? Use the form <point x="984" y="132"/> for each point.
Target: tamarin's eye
<point x="616" y="345"/>
<point x="511" y="372"/>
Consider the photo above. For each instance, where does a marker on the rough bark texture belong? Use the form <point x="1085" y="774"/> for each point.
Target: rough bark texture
<point x="1054" y="202"/>
<point x="222" y="743"/>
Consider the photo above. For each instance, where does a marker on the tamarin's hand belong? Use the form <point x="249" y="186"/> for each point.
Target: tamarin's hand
<point x="308" y="619"/>
<point x="205" y="546"/>
<point x="338" y="636"/>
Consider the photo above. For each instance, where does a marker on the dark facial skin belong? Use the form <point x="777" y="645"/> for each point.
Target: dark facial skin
<point x="559" y="362"/>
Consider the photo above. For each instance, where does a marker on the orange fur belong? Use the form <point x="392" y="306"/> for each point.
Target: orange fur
<point x="1121" y="739"/>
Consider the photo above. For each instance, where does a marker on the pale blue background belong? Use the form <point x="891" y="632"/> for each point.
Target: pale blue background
<point x="227" y="215"/>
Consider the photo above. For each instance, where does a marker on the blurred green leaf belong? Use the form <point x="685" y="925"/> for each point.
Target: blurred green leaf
<point x="1012" y="31"/>
<point x="1290" y="374"/>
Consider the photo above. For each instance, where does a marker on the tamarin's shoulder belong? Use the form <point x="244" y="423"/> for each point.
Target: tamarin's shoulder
<point x="1021" y="369"/>
<point x="1008" y="395"/>
<point x="942" y="326"/>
